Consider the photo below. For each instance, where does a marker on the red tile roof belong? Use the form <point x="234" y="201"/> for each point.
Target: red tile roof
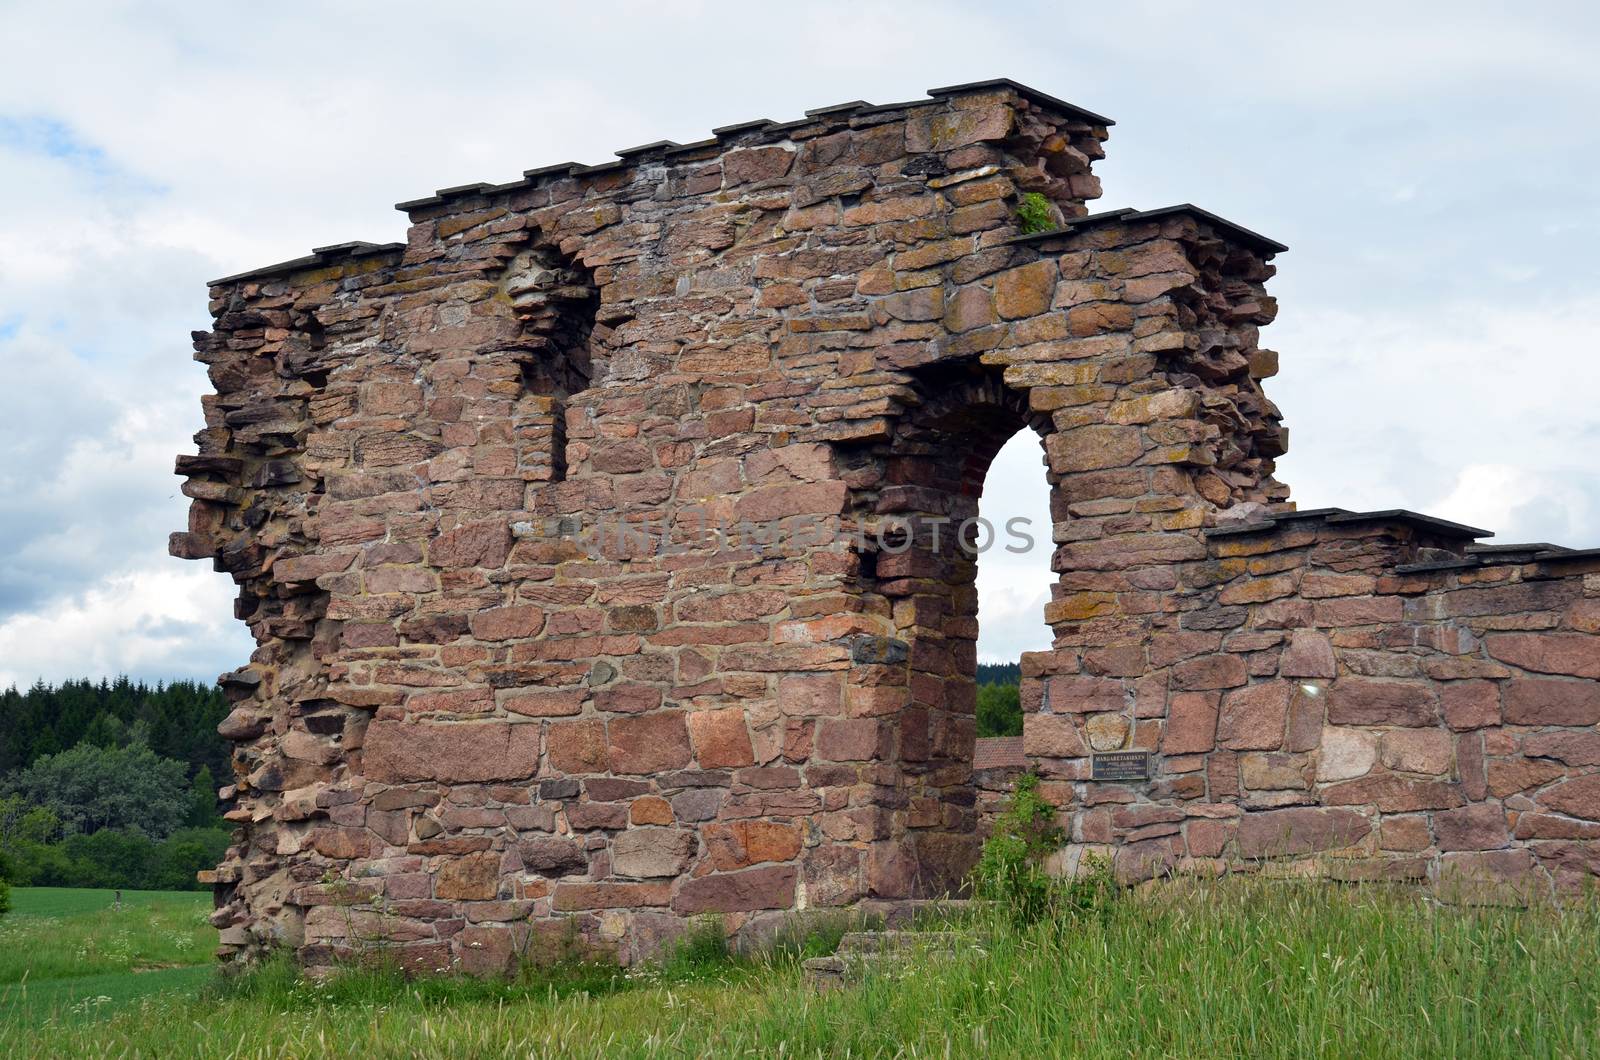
<point x="999" y="752"/>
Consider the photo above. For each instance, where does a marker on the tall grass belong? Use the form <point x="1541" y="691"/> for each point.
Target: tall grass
<point x="1241" y="967"/>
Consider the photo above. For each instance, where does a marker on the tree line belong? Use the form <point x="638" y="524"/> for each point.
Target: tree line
<point x="176" y="720"/>
<point x="111" y="784"/>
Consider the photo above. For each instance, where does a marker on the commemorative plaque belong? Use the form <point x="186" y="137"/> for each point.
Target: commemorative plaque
<point x="1120" y="765"/>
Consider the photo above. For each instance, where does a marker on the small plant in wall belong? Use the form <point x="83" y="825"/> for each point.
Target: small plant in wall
<point x="1035" y="214"/>
<point x="1011" y="870"/>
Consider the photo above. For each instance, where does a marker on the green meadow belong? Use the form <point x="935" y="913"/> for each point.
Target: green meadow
<point x="1243" y="967"/>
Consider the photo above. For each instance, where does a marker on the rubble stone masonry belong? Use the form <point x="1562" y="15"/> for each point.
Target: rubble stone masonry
<point x="588" y="541"/>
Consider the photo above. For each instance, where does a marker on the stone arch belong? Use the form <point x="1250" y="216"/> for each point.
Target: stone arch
<point x="926" y="479"/>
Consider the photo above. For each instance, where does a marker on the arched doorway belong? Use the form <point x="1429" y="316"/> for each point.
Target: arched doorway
<point x="920" y="556"/>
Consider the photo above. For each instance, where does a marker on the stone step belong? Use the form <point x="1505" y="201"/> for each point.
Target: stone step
<point x="900" y="941"/>
<point x="862" y="952"/>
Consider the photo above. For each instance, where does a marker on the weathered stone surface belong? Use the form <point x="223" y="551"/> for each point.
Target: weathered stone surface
<point x="1393" y="794"/>
<point x="1478" y="827"/>
<point x="451" y="752"/>
<point x="1346" y="753"/>
<point x="1253" y="718"/>
<point x="1309" y="654"/>
<point x="1191" y="723"/>
<point x="474" y="877"/>
<point x="1427" y="751"/>
<point x="1090" y="448"/>
<point x="1579" y="797"/>
<point x="649" y="743"/>
<point x="1547" y="653"/>
<point x="740" y="844"/>
<point x="1106" y="732"/>
<point x="1281" y="833"/>
<point x="553" y="856"/>
<point x="1362" y="701"/>
<point x="647" y="852"/>
<point x="578" y="746"/>
<point x="769" y="887"/>
<point x="1573" y="748"/>
<point x="720" y="738"/>
<point x="1470" y="704"/>
<point x="1052" y="736"/>
<point x="1274" y="772"/>
<point x="1540" y="701"/>
<point x="1209" y="671"/>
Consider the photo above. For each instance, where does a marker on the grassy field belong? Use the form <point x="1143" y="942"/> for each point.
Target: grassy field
<point x="1242" y="968"/>
<point x="68" y="954"/>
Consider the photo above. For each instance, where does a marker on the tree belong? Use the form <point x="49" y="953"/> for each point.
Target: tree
<point x="999" y="710"/>
<point x="91" y="788"/>
<point x="23" y="822"/>
<point x="203" y="799"/>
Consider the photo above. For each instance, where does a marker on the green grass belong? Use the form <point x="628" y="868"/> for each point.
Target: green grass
<point x="1241" y="968"/>
<point x="67" y="953"/>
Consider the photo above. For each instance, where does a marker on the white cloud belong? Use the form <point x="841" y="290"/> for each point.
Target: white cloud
<point x="1434" y="175"/>
<point x="1480" y="413"/>
<point x="154" y="624"/>
<point x="1013" y="587"/>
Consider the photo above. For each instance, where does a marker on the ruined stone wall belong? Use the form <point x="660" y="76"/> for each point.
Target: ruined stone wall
<point x="483" y="712"/>
<point x="1362" y="696"/>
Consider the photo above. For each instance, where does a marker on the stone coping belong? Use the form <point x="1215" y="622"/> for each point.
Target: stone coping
<point x="1397" y="516"/>
<point x="1554" y="554"/>
<point x="756" y="131"/>
<point x="1474" y="555"/>
<point x="319" y="257"/>
<point x="762" y="128"/>
<point x="1129" y="213"/>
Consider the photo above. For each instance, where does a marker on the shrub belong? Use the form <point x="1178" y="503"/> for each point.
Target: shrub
<point x="1011" y="871"/>
<point x="110" y="858"/>
<point x="5" y="896"/>
<point x="1034" y="214"/>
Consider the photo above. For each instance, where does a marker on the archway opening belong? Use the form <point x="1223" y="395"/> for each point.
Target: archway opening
<point x="935" y="469"/>
<point x="1014" y="581"/>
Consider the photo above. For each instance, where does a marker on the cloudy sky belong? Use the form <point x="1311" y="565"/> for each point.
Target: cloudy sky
<point x="1433" y="168"/>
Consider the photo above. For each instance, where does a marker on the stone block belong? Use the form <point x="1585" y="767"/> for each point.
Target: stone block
<point x="578" y="746"/>
<point x="473" y="877"/>
<point x="1371" y="701"/>
<point x="1552" y="701"/>
<point x="1481" y="826"/>
<point x="1253" y="718"/>
<point x="1092" y="448"/>
<point x="1300" y="830"/>
<point x="652" y="852"/>
<point x="1470" y="704"/>
<point x="1051" y="736"/>
<point x="1308" y="654"/>
<point x="459" y="752"/>
<point x="1571" y="654"/>
<point x="1191" y="723"/>
<point x="720" y="738"/>
<point x="649" y="743"/>
<point x="1429" y="751"/>
<point x="768" y="887"/>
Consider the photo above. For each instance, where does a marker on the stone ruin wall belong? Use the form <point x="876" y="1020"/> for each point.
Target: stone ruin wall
<point x="480" y="720"/>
